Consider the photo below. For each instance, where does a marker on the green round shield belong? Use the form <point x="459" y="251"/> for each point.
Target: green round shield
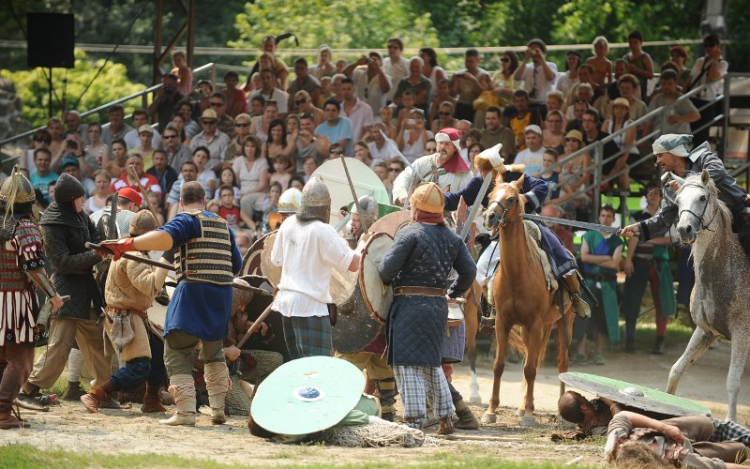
<point x="634" y="395"/>
<point x="307" y="395"/>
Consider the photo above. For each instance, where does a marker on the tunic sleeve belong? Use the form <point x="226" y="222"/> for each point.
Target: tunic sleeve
<point x="466" y="269"/>
<point x="535" y="191"/>
<point x="142" y="276"/>
<point x="469" y="193"/>
<point x="394" y="260"/>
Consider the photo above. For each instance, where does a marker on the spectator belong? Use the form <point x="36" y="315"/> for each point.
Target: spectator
<point x="557" y="188"/>
<point x="176" y="151"/>
<point x="132" y="138"/>
<point x="270" y="203"/>
<point x="430" y="68"/>
<point x="97" y="152"/>
<point x="188" y="173"/>
<point x="592" y="133"/>
<point x="585" y="82"/>
<point x="601" y="65"/>
<point x="600" y="254"/>
<point x="242" y="125"/>
<point x="252" y="172"/>
<point x="307" y="144"/>
<point x="281" y="173"/>
<point x="381" y="171"/>
<point x="521" y="115"/>
<point x="182" y="72"/>
<point x="468" y="83"/>
<point x="55" y="129"/>
<point x="371" y="82"/>
<point x="537" y="73"/>
<point x="561" y="231"/>
<point x="442" y="95"/>
<point x="224" y="206"/>
<point x="531" y="156"/>
<point x="308" y="167"/>
<point x="378" y="148"/>
<point x="304" y="81"/>
<point x="504" y="79"/>
<point x="416" y="83"/>
<point x="648" y="262"/>
<point x="200" y="98"/>
<point x="475" y="149"/>
<point x="576" y="174"/>
<point x="324" y="67"/>
<point x="408" y="100"/>
<point x="98" y="199"/>
<point x="269" y="92"/>
<point x="43" y="175"/>
<point x="707" y="69"/>
<point x="278" y="66"/>
<point x="117" y="127"/>
<point x="362" y="153"/>
<point x="71" y="166"/>
<point x="305" y="104"/>
<point x="336" y="82"/>
<point x="412" y="136"/>
<point x="444" y="117"/>
<point x="639" y="63"/>
<point x="225" y="123"/>
<point x="396" y="166"/>
<point x="627" y="85"/>
<point x="555" y="102"/>
<point x="682" y="114"/>
<point x="338" y="129"/>
<point x="145" y="149"/>
<point x="206" y="176"/>
<point x="126" y="180"/>
<point x="430" y="147"/>
<point x="260" y="124"/>
<point x="235" y="99"/>
<point x="678" y="56"/>
<point x="576" y="122"/>
<point x="40" y="139"/>
<point x="74" y="125"/>
<point x="325" y="89"/>
<point x="569" y="79"/>
<point x="191" y="128"/>
<point x="395" y="66"/>
<point x="162" y="171"/>
<point x="257" y="105"/>
<point x="228" y="178"/>
<point x="495" y="132"/>
<point x="215" y="140"/>
<point x="297" y="182"/>
<point x="119" y="157"/>
<point x="278" y="143"/>
<point x="625" y="141"/>
<point x="166" y="101"/>
<point x="357" y="111"/>
<point x="553" y="131"/>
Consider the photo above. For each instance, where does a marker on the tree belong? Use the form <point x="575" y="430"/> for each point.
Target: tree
<point x="111" y="84"/>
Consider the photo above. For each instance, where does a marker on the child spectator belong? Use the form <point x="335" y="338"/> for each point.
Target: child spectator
<point x="227" y="209"/>
<point x="557" y="188"/>
<point x="228" y="178"/>
<point x="281" y="166"/>
<point x="297" y="182"/>
<point x="270" y="205"/>
<point x="155" y="200"/>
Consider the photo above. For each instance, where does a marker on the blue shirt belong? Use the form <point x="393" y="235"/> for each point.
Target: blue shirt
<point x="342" y="129"/>
<point x="198" y="308"/>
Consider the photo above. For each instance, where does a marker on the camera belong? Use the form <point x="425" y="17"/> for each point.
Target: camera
<point x="72" y="144"/>
<point x="411" y="122"/>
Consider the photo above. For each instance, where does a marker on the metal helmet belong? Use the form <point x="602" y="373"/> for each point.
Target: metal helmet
<point x="369" y="207"/>
<point x="143" y="222"/>
<point x="316" y="202"/>
<point x="428" y="198"/>
<point x="16" y="190"/>
<point x="240" y="296"/>
<point x="290" y="201"/>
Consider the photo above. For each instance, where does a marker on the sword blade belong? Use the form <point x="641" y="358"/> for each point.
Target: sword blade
<point x="476" y="205"/>
<point x="575" y="223"/>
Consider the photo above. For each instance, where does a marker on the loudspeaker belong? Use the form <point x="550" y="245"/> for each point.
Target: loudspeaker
<point x="51" y="38"/>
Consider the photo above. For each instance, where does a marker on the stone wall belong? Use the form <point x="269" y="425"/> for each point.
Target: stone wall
<point x="11" y="123"/>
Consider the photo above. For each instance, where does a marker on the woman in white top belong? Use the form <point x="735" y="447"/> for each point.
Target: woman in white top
<point x="259" y="124"/>
<point x="430" y="69"/>
<point x="412" y="136"/>
<point x="625" y="141"/>
<point x="324" y="67"/>
<point x="252" y="171"/>
<point x="97" y="152"/>
<point x="707" y="69"/>
<point x="98" y="198"/>
<point x="568" y="80"/>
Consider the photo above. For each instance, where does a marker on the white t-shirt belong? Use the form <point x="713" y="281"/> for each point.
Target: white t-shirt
<point x="532" y="160"/>
<point x="307" y="253"/>
<point x="713" y="90"/>
<point x="276" y="94"/>
<point x="397" y="70"/>
<point x="535" y="81"/>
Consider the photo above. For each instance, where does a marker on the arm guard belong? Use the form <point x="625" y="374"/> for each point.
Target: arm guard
<point x="40" y="279"/>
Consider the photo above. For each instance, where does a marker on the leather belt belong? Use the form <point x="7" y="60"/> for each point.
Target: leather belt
<point x="419" y="291"/>
<point x="601" y="278"/>
<point x="143" y="314"/>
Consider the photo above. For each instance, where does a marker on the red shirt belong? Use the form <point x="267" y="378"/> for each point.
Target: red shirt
<point x="231" y="215"/>
<point x="149" y="183"/>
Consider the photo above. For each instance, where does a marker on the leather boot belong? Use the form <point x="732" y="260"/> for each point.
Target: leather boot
<point x="445" y="426"/>
<point x="580" y="307"/>
<point x="217" y="409"/>
<point x="96" y="396"/>
<point x="74" y="392"/>
<point x="659" y="346"/>
<point x="8" y="421"/>
<point x="184" y="415"/>
<point x="182" y="389"/>
<point x="152" y="400"/>
<point x="466" y="418"/>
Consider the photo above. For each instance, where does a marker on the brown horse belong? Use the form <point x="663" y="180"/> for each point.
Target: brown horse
<point x="522" y="298"/>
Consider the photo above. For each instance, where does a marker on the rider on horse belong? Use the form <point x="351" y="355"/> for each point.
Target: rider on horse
<point x="672" y="155"/>
<point x="535" y="191"/>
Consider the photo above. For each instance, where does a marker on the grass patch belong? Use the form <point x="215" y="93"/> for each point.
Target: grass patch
<point x="28" y="457"/>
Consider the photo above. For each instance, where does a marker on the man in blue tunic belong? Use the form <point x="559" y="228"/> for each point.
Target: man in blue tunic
<point x="206" y="259"/>
<point x="418" y="265"/>
<point x="535" y="191"/>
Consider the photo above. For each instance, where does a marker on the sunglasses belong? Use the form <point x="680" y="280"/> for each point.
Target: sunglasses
<point x="554" y="121"/>
<point x="208" y="122"/>
<point x="300" y="102"/>
<point x="505" y="59"/>
<point x="394" y="170"/>
<point x="242" y="125"/>
<point x="168" y="136"/>
<point x="337" y="152"/>
<point x="217" y="104"/>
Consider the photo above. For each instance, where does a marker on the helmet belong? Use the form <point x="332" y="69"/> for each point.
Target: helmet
<point x="17" y="189"/>
<point x="290" y="201"/>
<point x="240" y="296"/>
<point x="142" y="222"/>
<point x="428" y="198"/>
<point x="316" y="202"/>
<point x="369" y="207"/>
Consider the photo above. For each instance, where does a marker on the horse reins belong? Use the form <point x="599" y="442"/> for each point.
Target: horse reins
<point x="703" y="226"/>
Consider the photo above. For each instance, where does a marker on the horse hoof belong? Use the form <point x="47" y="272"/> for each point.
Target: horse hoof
<point x="520" y="412"/>
<point x="488" y="417"/>
<point x="476" y="400"/>
<point x="528" y="422"/>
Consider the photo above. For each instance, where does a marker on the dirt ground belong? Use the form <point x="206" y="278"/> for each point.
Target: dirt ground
<point x="70" y="427"/>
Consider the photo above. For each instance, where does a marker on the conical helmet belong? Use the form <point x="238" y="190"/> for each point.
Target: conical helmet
<point x="316" y="202"/>
<point x="369" y="207"/>
<point x="290" y="201"/>
<point x="141" y="223"/>
<point x="17" y="189"/>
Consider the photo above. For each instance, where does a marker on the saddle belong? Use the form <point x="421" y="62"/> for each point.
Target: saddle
<point x="534" y="240"/>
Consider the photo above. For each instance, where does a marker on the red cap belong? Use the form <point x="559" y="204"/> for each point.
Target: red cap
<point x="131" y="194"/>
<point x="453" y="134"/>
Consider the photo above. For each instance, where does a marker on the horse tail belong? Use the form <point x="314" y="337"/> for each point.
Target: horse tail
<point x="515" y="340"/>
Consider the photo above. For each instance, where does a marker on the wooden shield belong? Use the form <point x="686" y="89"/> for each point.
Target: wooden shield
<point x="376" y="295"/>
<point x="391" y="223"/>
<point x="251" y="261"/>
<point x="267" y="268"/>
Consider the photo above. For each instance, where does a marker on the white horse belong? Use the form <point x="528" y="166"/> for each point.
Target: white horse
<point x="720" y="298"/>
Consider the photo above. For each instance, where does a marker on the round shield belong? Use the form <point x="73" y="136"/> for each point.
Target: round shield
<point x="251" y="261"/>
<point x="391" y="223"/>
<point x="355" y="328"/>
<point x="364" y="179"/>
<point x="307" y="395"/>
<point x="376" y="295"/>
<point x="634" y="395"/>
<point x="271" y="271"/>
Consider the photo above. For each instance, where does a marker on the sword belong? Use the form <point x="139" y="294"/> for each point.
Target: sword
<point x="112" y="231"/>
<point x="575" y="223"/>
<point x="475" y="206"/>
<point x="354" y="196"/>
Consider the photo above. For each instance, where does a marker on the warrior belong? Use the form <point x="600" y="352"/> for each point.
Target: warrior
<point x="418" y="265"/>
<point x="22" y="272"/>
<point x="673" y="155"/>
<point x="129" y="292"/>
<point x="308" y="248"/>
<point x="206" y="259"/>
<point x="491" y="164"/>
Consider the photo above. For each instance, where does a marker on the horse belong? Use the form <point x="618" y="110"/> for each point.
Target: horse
<point x="718" y="302"/>
<point x="522" y="299"/>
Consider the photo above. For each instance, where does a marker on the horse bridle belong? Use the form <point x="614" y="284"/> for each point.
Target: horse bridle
<point x="501" y="221"/>
<point x="703" y="226"/>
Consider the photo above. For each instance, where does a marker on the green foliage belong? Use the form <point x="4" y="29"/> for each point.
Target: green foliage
<point x="338" y="23"/>
<point x="112" y="83"/>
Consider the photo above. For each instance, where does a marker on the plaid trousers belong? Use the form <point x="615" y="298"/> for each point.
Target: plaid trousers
<point x="416" y="384"/>
<point x="726" y="430"/>
<point x="308" y="336"/>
